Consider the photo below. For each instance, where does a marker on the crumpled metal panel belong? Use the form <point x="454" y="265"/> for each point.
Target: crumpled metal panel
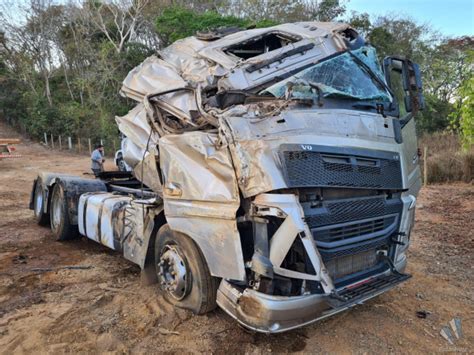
<point x="218" y="239"/>
<point x="292" y="227"/>
<point x="255" y="143"/>
<point x="240" y="78"/>
<point x="134" y="125"/>
<point x="201" y="198"/>
<point x="147" y="172"/>
<point x="99" y="217"/>
<point x="140" y="221"/>
<point x="153" y="75"/>
<point x="199" y="167"/>
<point x="132" y="154"/>
<point x="214" y="50"/>
<point x="183" y="55"/>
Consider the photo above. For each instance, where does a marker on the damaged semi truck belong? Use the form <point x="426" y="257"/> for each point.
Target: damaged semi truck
<point x="275" y="174"/>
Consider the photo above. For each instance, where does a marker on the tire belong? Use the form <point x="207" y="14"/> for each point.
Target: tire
<point x="192" y="286"/>
<point x="41" y="217"/>
<point x="121" y="164"/>
<point x="59" y="216"/>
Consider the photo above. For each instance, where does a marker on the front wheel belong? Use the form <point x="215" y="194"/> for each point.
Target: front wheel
<point x="183" y="273"/>
<point x="59" y="215"/>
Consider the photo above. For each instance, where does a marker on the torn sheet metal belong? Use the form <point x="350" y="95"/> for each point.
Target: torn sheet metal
<point x="134" y="125"/>
<point x="292" y="227"/>
<point x="139" y="218"/>
<point x="183" y="55"/>
<point x="210" y="65"/>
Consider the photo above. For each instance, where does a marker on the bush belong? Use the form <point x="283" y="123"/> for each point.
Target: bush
<point x="447" y="161"/>
<point x="178" y="22"/>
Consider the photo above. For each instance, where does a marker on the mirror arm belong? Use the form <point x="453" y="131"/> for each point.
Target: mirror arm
<point x="405" y="119"/>
<point x="398" y="125"/>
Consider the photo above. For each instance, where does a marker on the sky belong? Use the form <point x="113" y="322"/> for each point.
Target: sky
<point x="450" y="17"/>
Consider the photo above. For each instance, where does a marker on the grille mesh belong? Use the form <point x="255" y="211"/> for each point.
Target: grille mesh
<point x="351" y="210"/>
<point x="350" y="264"/>
<point x="329" y="254"/>
<point x="306" y="169"/>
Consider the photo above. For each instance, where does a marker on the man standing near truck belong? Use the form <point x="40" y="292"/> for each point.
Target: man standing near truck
<point x="97" y="158"/>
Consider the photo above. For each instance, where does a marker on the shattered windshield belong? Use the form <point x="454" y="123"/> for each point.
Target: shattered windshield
<point x="341" y="76"/>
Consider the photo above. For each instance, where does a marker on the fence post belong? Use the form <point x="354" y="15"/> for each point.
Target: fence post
<point x="69" y="143"/>
<point x="102" y="143"/>
<point x="60" y="143"/>
<point x="78" y="144"/>
<point x="425" y="166"/>
<point x="45" y="139"/>
<point x="90" y="147"/>
<point x="52" y="141"/>
<point x="115" y="145"/>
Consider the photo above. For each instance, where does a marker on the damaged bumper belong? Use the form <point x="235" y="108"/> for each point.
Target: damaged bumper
<point x="274" y="314"/>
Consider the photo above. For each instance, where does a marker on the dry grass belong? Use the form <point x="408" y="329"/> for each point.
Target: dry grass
<point x="447" y="162"/>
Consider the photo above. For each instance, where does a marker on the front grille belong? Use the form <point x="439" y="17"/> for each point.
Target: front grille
<point x="333" y="253"/>
<point x="350" y="264"/>
<point x="341" y="232"/>
<point x="339" y="211"/>
<point x="317" y="169"/>
<point x="353" y="230"/>
<point x="349" y="232"/>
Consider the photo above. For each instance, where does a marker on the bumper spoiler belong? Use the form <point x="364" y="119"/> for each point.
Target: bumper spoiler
<point x="274" y="314"/>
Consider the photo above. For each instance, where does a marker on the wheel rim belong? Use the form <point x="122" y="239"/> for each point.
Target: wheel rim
<point x="38" y="201"/>
<point x="173" y="272"/>
<point x="56" y="211"/>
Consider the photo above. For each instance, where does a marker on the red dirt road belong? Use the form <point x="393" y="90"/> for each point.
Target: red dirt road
<point x="46" y="308"/>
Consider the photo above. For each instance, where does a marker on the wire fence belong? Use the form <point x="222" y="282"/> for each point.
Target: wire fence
<point x="80" y="145"/>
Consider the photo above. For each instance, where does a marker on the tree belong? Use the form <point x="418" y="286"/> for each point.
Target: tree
<point x="463" y="116"/>
<point x="118" y="20"/>
<point x="442" y="62"/>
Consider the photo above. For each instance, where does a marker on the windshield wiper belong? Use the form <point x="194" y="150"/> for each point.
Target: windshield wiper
<point x="368" y="106"/>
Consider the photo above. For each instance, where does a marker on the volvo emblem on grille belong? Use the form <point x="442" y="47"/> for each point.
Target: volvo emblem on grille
<point x="306" y="147"/>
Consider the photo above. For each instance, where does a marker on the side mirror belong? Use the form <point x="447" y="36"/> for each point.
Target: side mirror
<point x="411" y="84"/>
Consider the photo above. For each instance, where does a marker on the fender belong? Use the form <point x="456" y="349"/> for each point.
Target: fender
<point x="74" y="187"/>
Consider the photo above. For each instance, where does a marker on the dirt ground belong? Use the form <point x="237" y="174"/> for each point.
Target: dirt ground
<point x="45" y="307"/>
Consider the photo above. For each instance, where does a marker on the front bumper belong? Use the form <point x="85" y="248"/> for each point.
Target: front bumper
<point x="274" y="314"/>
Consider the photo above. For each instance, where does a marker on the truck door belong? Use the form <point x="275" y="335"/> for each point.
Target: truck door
<point x="403" y="77"/>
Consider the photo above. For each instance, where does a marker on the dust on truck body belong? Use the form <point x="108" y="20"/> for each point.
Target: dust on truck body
<point x="274" y="174"/>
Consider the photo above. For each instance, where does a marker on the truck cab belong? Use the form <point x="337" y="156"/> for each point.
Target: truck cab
<point x="274" y="174"/>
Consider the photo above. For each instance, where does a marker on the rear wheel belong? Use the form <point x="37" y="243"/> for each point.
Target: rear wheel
<point x="39" y="202"/>
<point x="59" y="215"/>
<point x="183" y="273"/>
